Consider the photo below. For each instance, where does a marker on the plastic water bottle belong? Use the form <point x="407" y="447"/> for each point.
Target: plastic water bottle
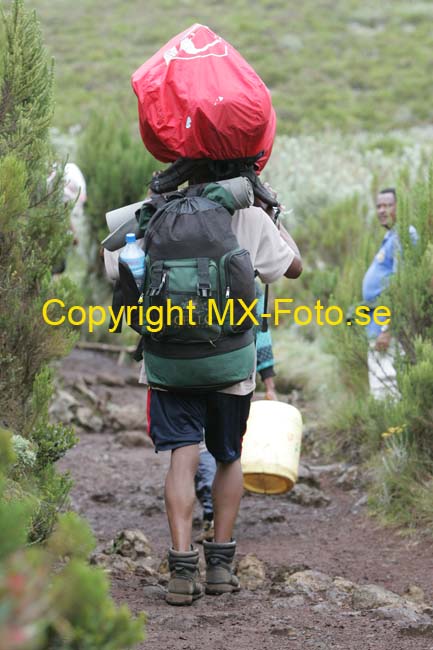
<point x="133" y="256"/>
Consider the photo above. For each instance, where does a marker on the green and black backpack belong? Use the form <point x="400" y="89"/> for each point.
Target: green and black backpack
<point x="193" y="261"/>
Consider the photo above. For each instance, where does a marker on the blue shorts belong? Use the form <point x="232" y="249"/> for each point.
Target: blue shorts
<point x="180" y="419"/>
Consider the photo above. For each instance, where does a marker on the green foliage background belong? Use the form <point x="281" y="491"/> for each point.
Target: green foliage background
<point x="345" y="64"/>
<point x="118" y="170"/>
<point x="51" y="599"/>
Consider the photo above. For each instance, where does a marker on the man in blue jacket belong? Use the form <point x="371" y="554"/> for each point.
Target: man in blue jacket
<point x="382" y="350"/>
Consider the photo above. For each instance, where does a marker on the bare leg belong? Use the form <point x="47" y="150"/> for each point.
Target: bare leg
<point x="227" y="492"/>
<point x="180" y="495"/>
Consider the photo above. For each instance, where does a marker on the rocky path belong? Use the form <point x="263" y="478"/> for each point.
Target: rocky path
<point x="317" y="572"/>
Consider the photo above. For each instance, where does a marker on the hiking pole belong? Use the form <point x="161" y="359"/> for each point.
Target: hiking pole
<point x="264" y="327"/>
<point x="275" y="218"/>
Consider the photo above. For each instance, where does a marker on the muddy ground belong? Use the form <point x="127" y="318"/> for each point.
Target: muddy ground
<point x="119" y="487"/>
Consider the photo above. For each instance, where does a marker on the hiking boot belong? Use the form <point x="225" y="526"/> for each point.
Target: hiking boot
<point x="219" y="574"/>
<point x="183" y="587"/>
<point x="207" y="532"/>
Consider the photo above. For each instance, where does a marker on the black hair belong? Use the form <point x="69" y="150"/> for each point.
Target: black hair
<point x="389" y="190"/>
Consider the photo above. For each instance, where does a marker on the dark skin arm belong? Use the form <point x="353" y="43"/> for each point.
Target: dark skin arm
<point x="270" y="393"/>
<point x="295" y="268"/>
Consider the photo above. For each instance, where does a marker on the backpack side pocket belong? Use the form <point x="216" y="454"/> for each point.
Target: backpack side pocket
<point x="131" y="297"/>
<point x="237" y="276"/>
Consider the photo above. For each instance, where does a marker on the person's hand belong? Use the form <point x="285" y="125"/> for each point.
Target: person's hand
<point x="383" y="341"/>
<point x="149" y="191"/>
<point x="270" y="393"/>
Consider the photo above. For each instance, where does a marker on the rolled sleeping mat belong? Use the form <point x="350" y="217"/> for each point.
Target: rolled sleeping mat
<point x="241" y="190"/>
<point x="120" y="222"/>
<point x="116" y="239"/>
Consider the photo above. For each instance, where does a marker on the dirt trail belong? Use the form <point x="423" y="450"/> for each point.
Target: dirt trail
<point x="117" y="488"/>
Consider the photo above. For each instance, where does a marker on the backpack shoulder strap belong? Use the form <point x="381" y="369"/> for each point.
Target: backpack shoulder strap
<point x="116" y="305"/>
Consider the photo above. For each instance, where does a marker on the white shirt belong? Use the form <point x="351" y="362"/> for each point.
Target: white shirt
<point x="270" y="255"/>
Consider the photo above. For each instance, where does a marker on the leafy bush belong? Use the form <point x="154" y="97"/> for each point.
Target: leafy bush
<point x="118" y="170"/>
<point x="52" y="490"/>
<point x="403" y="470"/>
<point x="25" y="453"/>
<point x="89" y="617"/>
<point x="52" y="440"/>
<point x="401" y="491"/>
<point x="33" y="221"/>
<point x="70" y="611"/>
<point x="33" y="224"/>
<point x="415" y="409"/>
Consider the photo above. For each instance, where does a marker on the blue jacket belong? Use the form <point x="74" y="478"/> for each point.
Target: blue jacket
<point x="383" y="266"/>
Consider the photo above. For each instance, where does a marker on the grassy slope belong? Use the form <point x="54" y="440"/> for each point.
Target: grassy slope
<point x="347" y="64"/>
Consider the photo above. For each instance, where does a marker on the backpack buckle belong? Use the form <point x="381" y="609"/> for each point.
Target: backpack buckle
<point x="156" y="290"/>
<point x="203" y="284"/>
<point x="204" y="290"/>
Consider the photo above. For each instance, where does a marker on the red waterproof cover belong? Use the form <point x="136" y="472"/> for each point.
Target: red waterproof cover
<point x="199" y="98"/>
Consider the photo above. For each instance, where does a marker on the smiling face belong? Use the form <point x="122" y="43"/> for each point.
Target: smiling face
<point x="386" y="209"/>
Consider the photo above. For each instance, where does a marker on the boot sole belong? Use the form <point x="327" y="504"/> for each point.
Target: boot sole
<point x="218" y="590"/>
<point x="181" y="599"/>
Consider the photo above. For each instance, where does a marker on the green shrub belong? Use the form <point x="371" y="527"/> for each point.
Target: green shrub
<point x="356" y="424"/>
<point x="52" y="440"/>
<point x="15" y="514"/>
<point x="26" y="455"/>
<point x="334" y="229"/>
<point x="92" y="619"/>
<point x="118" y="170"/>
<point x="402" y="468"/>
<point x="33" y="470"/>
<point x="304" y="365"/>
<point x="33" y="220"/>
<point x="52" y="490"/>
<point x="33" y="223"/>
<point x="401" y="490"/>
<point x="415" y="409"/>
<point x="70" y="611"/>
<point x="73" y="538"/>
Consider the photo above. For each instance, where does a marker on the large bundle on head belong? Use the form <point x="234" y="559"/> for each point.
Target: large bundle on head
<point x="199" y="98"/>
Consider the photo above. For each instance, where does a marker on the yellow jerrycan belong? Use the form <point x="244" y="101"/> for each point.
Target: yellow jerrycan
<point x="271" y="447"/>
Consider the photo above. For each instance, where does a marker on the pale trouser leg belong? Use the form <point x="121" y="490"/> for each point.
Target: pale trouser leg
<point x="382" y="375"/>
